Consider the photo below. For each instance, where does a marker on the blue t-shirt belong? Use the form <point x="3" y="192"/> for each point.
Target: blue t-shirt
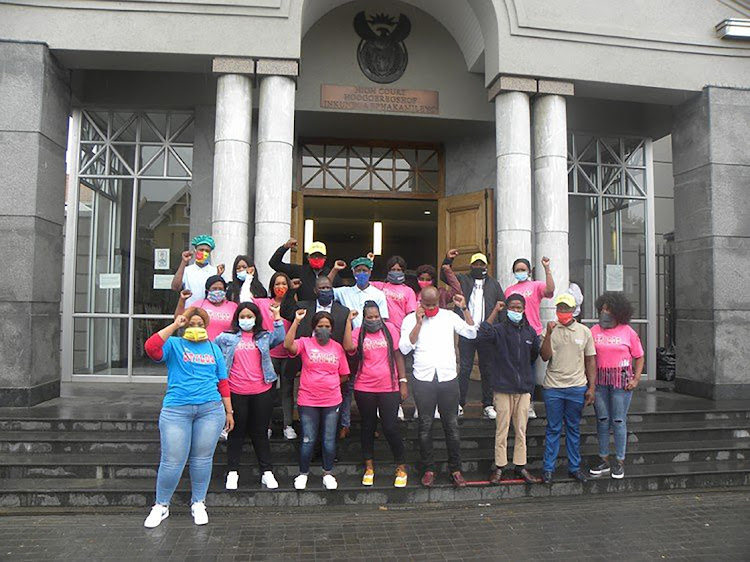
<point x="194" y="370"/>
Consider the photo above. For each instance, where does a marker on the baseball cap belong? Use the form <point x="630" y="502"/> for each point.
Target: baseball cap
<point x="565" y="298"/>
<point x="317" y="248"/>
<point x="479" y="256"/>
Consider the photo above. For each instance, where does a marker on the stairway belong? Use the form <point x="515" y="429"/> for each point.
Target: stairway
<point x="64" y="461"/>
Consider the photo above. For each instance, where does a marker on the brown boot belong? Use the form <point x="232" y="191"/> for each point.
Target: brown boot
<point x="496" y="476"/>
<point x="527" y="476"/>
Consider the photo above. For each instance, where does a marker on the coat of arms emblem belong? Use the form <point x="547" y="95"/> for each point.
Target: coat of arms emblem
<point x="381" y="53"/>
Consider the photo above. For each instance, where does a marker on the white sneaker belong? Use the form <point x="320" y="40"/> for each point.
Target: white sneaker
<point x="300" y="483"/>
<point x="232" y="478"/>
<point x="416" y="414"/>
<point x="532" y="413"/>
<point x="400" y="413"/>
<point x="269" y="480"/>
<point x="437" y="413"/>
<point x="270" y="432"/>
<point x="490" y="413"/>
<point x="289" y="433"/>
<point x="200" y="517"/>
<point x="330" y="482"/>
<point x="158" y="514"/>
<point x="460" y="411"/>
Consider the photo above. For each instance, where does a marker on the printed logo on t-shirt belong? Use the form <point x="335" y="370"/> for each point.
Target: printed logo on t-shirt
<point x="527" y="293"/>
<point x="319" y="356"/>
<point x="199" y="358"/>
<point x="394" y="295"/>
<point x="579" y="342"/>
<point x="247" y="345"/>
<point x="374" y="343"/>
<point x="608" y="340"/>
<point x="218" y="315"/>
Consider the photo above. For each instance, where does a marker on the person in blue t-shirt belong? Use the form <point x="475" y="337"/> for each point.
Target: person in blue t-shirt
<point x="192" y="415"/>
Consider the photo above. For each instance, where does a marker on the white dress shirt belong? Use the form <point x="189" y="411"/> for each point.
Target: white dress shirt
<point x="320" y="308"/>
<point x="476" y="302"/>
<point x="194" y="279"/>
<point x="354" y="298"/>
<point x="435" y="349"/>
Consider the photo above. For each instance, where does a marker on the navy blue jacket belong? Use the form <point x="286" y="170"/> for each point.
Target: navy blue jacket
<point x="512" y="350"/>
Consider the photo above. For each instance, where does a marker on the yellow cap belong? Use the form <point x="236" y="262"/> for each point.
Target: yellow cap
<point x="479" y="256"/>
<point x="565" y="298"/>
<point x="317" y="247"/>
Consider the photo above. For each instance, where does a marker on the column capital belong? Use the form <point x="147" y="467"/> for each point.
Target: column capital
<point x="555" y="87"/>
<point x="277" y="67"/>
<point x="233" y="65"/>
<point x="504" y="83"/>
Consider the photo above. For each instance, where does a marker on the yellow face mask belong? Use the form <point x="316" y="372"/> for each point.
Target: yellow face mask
<point x="195" y="334"/>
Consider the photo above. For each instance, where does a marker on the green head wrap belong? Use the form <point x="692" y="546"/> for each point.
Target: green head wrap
<point x="361" y="261"/>
<point x="203" y="239"/>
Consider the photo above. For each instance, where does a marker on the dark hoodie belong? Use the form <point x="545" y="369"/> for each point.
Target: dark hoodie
<point x="512" y="350"/>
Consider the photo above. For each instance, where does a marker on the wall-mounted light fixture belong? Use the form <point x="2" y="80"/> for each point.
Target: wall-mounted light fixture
<point x="734" y="28"/>
<point x="309" y="228"/>
<point x="377" y="238"/>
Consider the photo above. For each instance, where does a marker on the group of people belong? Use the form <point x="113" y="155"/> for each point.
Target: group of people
<point x="232" y="343"/>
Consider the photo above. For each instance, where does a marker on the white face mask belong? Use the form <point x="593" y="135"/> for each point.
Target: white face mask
<point x="246" y="324"/>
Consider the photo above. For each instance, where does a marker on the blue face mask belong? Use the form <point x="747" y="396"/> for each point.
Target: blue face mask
<point x="514" y="316"/>
<point x="241" y="275"/>
<point x="246" y="324"/>
<point x="362" y="279"/>
<point x="325" y="296"/>
<point x="521" y="276"/>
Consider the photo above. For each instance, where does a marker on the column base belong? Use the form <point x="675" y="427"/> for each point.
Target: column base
<point x="25" y="397"/>
<point x="712" y="391"/>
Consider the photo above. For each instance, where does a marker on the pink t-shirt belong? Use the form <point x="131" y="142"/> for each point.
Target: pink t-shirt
<point x="246" y="375"/>
<point x="615" y="350"/>
<point x="533" y="292"/>
<point x="375" y="374"/>
<point x="264" y="305"/>
<point x="319" y="383"/>
<point x="401" y="301"/>
<point x="220" y="316"/>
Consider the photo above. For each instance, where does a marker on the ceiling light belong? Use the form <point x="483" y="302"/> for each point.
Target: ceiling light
<point x="428" y="212"/>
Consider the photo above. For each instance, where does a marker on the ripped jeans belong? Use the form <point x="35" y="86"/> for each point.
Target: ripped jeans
<point x="611" y="405"/>
<point x="312" y="419"/>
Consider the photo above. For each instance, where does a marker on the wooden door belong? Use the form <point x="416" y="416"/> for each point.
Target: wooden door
<point x="297" y="228"/>
<point x="466" y="223"/>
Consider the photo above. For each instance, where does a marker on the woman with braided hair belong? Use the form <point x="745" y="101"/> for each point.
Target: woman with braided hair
<point x="379" y="386"/>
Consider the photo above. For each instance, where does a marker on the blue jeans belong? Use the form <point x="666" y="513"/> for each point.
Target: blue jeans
<point x="188" y="434"/>
<point x="611" y="405"/>
<point x="347" y="390"/>
<point x="563" y="404"/>
<point x="312" y="418"/>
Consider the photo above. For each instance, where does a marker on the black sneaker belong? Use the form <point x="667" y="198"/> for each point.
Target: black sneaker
<point x="601" y="468"/>
<point x="618" y="470"/>
<point x="578" y="475"/>
<point x="547" y="477"/>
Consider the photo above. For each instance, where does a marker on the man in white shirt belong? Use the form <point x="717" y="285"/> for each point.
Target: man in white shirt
<point x="193" y="277"/>
<point x="354" y="298"/>
<point x="429" y="333"/>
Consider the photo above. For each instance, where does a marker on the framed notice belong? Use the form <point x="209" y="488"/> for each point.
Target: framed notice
<point x="161" y="258"/>
<point x="614" y="277"/>
<point x="163" y="282"/>
<point x="109" y="280"/>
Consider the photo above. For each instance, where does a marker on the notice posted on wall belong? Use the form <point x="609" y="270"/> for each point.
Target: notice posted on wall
<point x="615" y="276"/>
<point x="161" y="258"/>
<point x="109" y="280"/>
<point x="163" y="282"/>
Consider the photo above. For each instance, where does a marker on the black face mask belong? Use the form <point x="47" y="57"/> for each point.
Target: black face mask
<point x="606" y="320"/>
<point x="479" y="272"/>
<point x="372" y="326"/>
<point x="325" y="296"/>
<point x="322" y="335"/>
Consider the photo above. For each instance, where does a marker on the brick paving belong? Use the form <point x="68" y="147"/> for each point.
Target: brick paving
<point x="700" y="526"/>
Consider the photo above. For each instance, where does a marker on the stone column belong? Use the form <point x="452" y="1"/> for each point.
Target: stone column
<point x="231" y="185"/>
<point x="710" y="142"/>
<point x="273" y="189"/>
<point x="34" y="110"/>
<point x="513" y="193"/>
<point x="550" y="138"/>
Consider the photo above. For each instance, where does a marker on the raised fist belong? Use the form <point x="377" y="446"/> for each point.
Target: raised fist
<point x="291" y="243"/>
<point x="185" y="294"/>
<point x="300" y="314"/>
<point x="187" y="256"/>
<point x="452" y="254"/>
<point x="180" y="321"/>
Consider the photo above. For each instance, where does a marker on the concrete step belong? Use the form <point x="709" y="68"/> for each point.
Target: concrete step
<point x="35" y="492"/>
<point x="479" y="438"/>
<point x="130" y="465"/>
<point x="36" y="423"/>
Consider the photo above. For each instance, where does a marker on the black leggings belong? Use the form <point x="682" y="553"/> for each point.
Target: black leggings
<point x="252" y="414"/>
<point x="387" y="402"/>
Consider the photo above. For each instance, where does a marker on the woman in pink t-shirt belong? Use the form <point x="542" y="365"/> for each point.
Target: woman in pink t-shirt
<point x="379" y="386"/>
<point x="401" y="298"/>
<point x="324" y="368"/>
<point x="532" y="291"/>
<point x="245" y="347"/>
<point x="619" y="364"/>
<point x="220" y="311"/>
